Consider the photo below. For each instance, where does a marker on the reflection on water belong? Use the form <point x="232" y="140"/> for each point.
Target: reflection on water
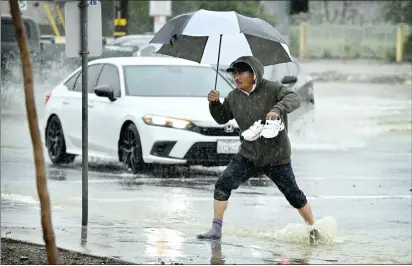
<point x="305" y="257"/>
<point x="56" y="174"/>
<point x="163" y="243"/>
<point x="217" y="257"/>
<point x="83" y="236"/>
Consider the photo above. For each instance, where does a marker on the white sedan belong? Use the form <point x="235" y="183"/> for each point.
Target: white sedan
<point x="142" y="110"/>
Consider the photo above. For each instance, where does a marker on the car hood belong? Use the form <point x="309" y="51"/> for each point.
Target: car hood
<point x="195" y="109"/>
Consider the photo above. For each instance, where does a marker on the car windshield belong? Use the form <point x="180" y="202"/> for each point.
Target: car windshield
<point x="228" y="76"/>
<point x="172" y="81"/>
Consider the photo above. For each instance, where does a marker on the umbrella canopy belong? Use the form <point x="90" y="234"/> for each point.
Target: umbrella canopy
<point x="206" y="36"/>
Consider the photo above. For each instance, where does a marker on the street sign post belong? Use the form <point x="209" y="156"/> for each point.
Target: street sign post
<point x="73" y="28"/>
<point x="83" y="27"/>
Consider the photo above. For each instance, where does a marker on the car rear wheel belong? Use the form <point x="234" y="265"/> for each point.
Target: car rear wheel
<point x="130" y="149"/>
<point x="56" y="144"/>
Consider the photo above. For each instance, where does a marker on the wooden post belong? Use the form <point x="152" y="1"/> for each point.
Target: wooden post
<point x="303" y="40"/>
<point x="400" y="40"/>
<point x="41" y="182"/>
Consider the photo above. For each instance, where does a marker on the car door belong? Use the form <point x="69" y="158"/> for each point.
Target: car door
<point x="67" y="120"/>
<point x="105" y="115"/>
<point x="74" y="105"/>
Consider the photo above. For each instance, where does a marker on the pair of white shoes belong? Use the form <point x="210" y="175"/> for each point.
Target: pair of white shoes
<point x="268" y="130"/>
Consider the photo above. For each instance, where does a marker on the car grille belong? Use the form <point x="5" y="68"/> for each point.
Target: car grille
<point x="214" y="131"/>
<point x="205" y="153"/>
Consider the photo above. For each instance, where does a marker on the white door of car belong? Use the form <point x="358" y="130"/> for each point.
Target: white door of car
<point x="73" y="109"/>
<point x="93" y="75"/>
<point x="105" y="117"/>
<point x="68" y="114"/>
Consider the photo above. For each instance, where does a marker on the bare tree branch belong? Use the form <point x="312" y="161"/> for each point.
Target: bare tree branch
<point x="46" y="221"/>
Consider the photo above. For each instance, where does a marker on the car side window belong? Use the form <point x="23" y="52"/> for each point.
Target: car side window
<point x="93" y="74"/>
<point x="110" y="76"/>
<point x="70" y="83"/>
<point x="78" y="85"/>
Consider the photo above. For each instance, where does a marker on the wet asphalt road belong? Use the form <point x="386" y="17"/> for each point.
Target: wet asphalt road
<point x="352" y="158"/>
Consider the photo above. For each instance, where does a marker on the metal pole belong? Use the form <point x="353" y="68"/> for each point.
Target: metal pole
<point x="218" y="60"/>
<point x="83" y="5"/>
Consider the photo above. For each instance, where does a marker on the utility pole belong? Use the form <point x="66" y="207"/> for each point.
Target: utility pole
<point x="121" y="18"/>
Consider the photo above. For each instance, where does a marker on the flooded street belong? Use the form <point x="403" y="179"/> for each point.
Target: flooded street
<point x="351" y="156"/>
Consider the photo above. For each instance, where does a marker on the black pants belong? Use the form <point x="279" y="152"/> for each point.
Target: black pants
<point x="240" y="170"/>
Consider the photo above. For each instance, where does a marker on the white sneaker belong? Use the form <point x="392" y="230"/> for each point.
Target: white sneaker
<point x="253" y="133"/>
<point x="272" y="128"/>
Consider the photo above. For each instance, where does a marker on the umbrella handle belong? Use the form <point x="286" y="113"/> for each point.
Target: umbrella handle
<point x="218" y="61"/>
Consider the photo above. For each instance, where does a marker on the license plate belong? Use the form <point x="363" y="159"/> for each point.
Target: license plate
<point x="228" y="146"/>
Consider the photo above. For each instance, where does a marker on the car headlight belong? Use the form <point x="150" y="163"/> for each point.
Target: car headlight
<point x="163" y="121"/>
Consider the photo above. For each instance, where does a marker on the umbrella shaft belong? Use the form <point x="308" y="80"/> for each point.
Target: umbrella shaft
<point x="218" y="60"/>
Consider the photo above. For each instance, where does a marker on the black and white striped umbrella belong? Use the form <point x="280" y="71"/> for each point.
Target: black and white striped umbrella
<point x="212" y="37"/>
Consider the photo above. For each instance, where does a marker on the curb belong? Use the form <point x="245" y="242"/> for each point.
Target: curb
<point x="68" y="250"/>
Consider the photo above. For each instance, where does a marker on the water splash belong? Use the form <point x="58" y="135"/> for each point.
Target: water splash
<point x="298" y="233"/>
<point x="45" y="79"/>
<point x="294" y="233"/>
<point x="16" y="198"/>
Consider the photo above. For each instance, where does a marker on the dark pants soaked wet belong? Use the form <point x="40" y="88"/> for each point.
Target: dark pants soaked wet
<point x="241" y="169"/>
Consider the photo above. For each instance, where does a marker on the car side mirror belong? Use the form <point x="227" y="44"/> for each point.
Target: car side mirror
<point x="289" y="80"/>
<point x="105" y="91"/>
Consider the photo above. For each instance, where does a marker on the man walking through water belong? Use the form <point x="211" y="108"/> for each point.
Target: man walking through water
<point x="260" y="108"/>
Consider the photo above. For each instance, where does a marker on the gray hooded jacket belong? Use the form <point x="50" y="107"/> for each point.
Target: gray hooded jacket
<point x="247" y="109"/>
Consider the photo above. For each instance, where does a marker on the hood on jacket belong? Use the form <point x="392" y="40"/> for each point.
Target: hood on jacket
<point x="254" y="63"/>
